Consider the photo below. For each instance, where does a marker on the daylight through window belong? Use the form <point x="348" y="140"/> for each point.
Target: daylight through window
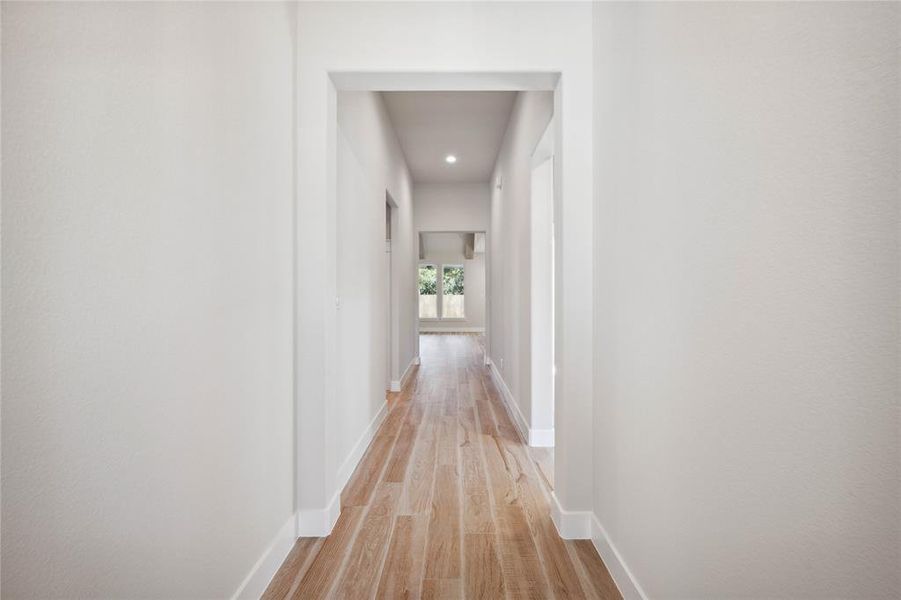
<point x="442" y="296"/>
<point x="428" y="292"/>
<point x="452" y="292"/>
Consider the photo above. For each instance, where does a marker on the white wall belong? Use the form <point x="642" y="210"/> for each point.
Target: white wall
<point x="451" y="206"/>
<point x="147" y="299"/>
<point x="510" y="249"/>
<point x="541" y="290"/>
<point x="370" y="162"/>
<point x="747" y="373"/>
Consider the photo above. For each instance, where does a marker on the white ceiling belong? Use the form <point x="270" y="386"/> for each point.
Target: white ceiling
<point x="431" y="125"/>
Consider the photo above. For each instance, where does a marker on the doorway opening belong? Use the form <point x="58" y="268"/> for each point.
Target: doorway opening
<point x="504" y="189"/>
<point x="451" y="282"/>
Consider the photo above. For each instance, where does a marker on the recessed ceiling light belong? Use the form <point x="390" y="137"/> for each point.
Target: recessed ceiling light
<point x="450" y="159"/>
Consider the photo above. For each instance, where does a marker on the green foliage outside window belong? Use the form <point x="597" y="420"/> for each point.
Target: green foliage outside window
<point x="428" y="280"/>
<point x="453" y="281"/>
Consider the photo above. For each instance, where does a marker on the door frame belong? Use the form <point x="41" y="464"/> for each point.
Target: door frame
<point x="317" y="502"/>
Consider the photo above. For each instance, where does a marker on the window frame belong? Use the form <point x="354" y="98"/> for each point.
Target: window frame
<point x="438" y="287"/>
<point x="441" y="316"/>
<point x="439" y="300"/>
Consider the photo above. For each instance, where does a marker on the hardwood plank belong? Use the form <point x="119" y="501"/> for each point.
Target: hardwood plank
<point x="522" y="570"/>
<point x="361" y="573"/>
<point x="447" y="441"/>
<point x="504" y="487"/>
<point x="474" y="479"/>
<point x="293" y="569"/>
<point x="558" y="567"/>
<point x="397" y="468"/>
<point x="559" y="570"/>
<point x="454" y="506"/>
<point x="450" y="401"/>
<point x="402" y="574"/>
<point x="503" y="424"/>
<point x="477" y="517"/>
<point x="394" y="420"/>
<point x="441" y="589"/>
<point x="474" y="387"/>
<point x="442" y="558"/>
<point x="417" y="493"/>
<point x="484" y="419"/>
<point x="319" y="578"/>
<point x="600" y="585"/>
<point x="483" y="576"/>
<point x="362" y="483"/>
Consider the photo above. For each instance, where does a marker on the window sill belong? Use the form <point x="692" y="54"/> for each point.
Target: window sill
<point x="446" y="320"/>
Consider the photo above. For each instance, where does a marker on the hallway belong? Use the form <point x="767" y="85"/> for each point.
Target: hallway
<point x="446" y="503"/>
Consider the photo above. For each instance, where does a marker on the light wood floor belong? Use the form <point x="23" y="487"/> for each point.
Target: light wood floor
<point x="446" y="503"/>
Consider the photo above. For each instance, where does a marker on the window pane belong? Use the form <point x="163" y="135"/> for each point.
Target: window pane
<point x="428" y="292"/>
<point x="452" y="299"/>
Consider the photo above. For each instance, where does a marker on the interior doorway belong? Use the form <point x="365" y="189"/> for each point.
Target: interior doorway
<point x="569" y="383"/>
<point x="452" y="282"/>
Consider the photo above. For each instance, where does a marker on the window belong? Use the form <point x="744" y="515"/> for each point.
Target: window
<point x="444" y="296"/>
<point x="428" y="292"/>
<point x="452" y="292"/>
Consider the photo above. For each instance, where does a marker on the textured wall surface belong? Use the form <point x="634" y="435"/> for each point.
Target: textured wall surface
<point x="147" y="209"/>
<point x="747" y="203"/>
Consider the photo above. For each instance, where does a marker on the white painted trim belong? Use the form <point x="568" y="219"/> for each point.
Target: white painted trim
<point x="622" y="576"/>
<point x="398" y="384"/>
<point x="571" y="524"/>
<point x="537" y="438"/>
<point x="320" y="522"/>
<point x="541" y="438"/>
<point x="510" y="403"/>
<point x="419" y="81"/>
<point x="452" y="329"/>
<point x="257" y="580"/>
<point x="353" y="458"/>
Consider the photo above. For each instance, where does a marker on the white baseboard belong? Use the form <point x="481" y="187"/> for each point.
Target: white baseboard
<point x="398" y="384"/>
<point x="268" y="564"/>
<point x="622" y="576"/>
<point x="541" y="438"/>
<point x="350" y="463"/>
<point x="451" y="329"/>
<point x="571" y="524"/>
<point x="319" y="522"/>
<point x="510" y="403"/>
<point x="538" y="438"/>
